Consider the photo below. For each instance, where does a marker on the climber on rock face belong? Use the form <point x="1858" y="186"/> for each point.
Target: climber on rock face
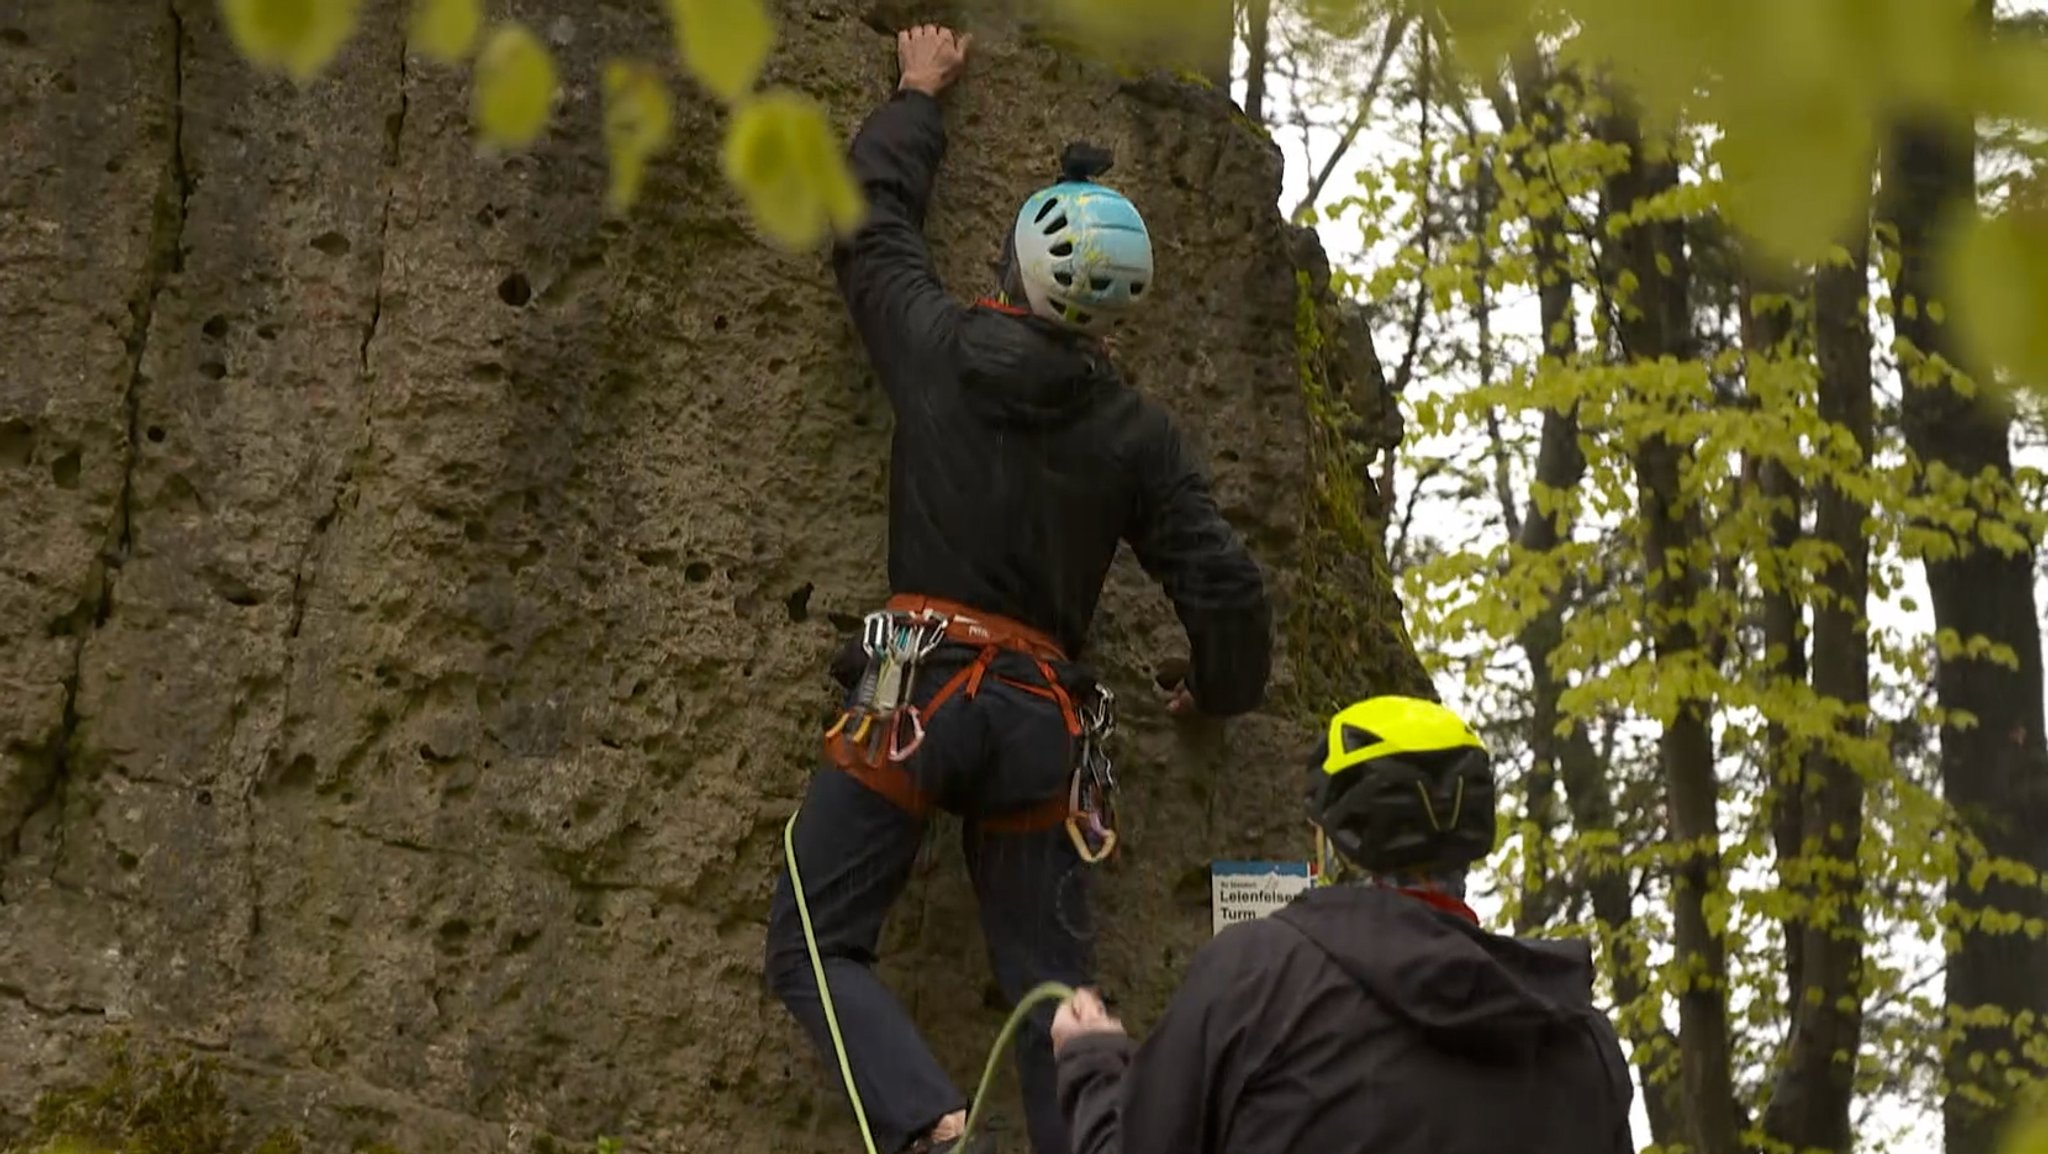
<point x="1019" y="461"/>
<point x="1370" y="1016"/>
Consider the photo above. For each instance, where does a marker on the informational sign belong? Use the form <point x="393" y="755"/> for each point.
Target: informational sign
<point x="1242" y="890"/>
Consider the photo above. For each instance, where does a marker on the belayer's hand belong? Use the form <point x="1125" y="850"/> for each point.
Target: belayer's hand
<point x="1082" y="1014"/>
<point x="931" y="57"/>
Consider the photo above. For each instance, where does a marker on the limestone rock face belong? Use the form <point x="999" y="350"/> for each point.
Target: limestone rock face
<point x="416" y="589"/>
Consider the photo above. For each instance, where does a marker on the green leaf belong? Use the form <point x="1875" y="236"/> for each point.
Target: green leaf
<point x="638" y="119"/>
<point x="2029" y="1135"/>
<point x="514" y="88"/>
<point x="444" y="30"/>
<point x="1796" y="168"/>
<point x="781" y="154"/>
<point x="1998" y="284"/>
<point x="723" y="43"/>
<point x="296" y="37"/>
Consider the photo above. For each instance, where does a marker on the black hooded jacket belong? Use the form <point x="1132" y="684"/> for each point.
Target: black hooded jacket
<point x="1020" y="458"/>
<point x="1359" y="1020"/>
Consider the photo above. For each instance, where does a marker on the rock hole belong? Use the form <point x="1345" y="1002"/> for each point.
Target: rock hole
<point x="799" y="603"/>
<point x="1229" y="455"/>
<point x="697" y="571"/>
<point x="474" y="531"/>
<point x="205" y="797"/>
<point x="17" y="442"/>
<point x="299" y="772"/>
<point x="453" y="931"/>
<point x="843" y="622"/>
<point x="777" y="364"/>
<point x="331" y="243"/>
<point x="213" y="370"/>
<point x="14" y="36"/>
<point x="657" y="558"/>
<point x="64" y="470"/>
<point x="126" y="860"/>
<point x="719" y="323"/>
<point x="239" y="595"/>
<point x="216" y="326"/>
<point x="515" y="290"/>
<point x="521" y="941"/>
<point x="487" y="216"/>
<point x="267" y="332"/>
<point x="113" y="165"/>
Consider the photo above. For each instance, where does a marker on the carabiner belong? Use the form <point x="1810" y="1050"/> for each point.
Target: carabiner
<point x="898" y="751"/>
<point x="874" y="634"/>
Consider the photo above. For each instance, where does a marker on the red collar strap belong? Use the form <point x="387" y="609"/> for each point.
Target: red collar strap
<point x="999" y="306"/>
<point x="1444" y="902"/>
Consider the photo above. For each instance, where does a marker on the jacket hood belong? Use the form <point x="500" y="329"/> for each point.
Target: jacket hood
<point x="1024" y="370"/>
<point x="1483" y="995"/>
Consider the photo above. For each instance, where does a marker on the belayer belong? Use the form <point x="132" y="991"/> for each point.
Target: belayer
<point x="1372" y="1016"/>
<point x="1019" y="461"/>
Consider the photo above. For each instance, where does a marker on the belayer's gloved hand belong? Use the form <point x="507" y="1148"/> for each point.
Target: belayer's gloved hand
<point x="1081" y="1015"/>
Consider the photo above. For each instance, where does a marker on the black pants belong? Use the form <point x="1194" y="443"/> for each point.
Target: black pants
<point x="1000" y="751"/>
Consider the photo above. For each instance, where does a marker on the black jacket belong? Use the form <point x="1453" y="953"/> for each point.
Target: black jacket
<point x="1020" y="459"/>
<point x="1361" y="1021"/>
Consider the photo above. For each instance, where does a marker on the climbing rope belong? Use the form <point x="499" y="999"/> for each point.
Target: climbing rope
<point x="1042" y="992"/>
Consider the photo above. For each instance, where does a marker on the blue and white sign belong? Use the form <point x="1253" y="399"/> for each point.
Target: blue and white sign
<point x="1242" y="890"/>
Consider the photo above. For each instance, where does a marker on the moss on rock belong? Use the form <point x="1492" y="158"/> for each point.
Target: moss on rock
<point x="165" y="1105"/>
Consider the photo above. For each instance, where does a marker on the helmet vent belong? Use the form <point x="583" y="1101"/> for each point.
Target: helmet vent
<point x="1099" y="283"/>
<point x="1356" y="739"/>
<point x="1137" y="286"/>
<point x="1058" y="223"/>
<point x="1065" y="278"/>
<point x="1063" y="248"/>
<point x="1047" y="207"/>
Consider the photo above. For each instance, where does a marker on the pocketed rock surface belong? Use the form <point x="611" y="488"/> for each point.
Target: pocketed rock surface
<point x="416" y="589"/>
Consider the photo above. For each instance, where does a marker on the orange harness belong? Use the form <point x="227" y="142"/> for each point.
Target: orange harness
<point x="990" y="633"/>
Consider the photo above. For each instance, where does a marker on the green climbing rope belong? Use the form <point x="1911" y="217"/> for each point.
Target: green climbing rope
<point x="1044" y="991"/>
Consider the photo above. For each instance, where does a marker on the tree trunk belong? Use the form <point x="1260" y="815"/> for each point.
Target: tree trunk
<point x="418" y="587"/>
<point x="1994" y="769"/>
<point x="1258" y="43"/>
<point x="1816" y="1084"/>
<point x="1659" y="325"/>
<point x="1769" y="335"/>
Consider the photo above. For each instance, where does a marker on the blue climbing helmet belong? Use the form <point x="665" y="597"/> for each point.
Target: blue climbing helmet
<point x="1083" y="254"/>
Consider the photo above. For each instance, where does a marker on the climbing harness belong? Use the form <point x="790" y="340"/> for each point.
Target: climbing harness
<point x="1044" y="991"/>
<point x="867" y="739"/>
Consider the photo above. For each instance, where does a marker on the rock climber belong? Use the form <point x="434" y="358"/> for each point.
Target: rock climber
<point x="1019" y="461"/>
<point x="1373" y="1014"/>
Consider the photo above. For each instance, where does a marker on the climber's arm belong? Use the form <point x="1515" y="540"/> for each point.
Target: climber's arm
<point x="1176" y="1093"/>
<point x="885" y="268"/>
<point x="1183" y="541"/>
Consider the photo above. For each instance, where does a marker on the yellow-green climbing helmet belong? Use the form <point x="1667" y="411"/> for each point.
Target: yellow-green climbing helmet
<point x="1401" y="784"/>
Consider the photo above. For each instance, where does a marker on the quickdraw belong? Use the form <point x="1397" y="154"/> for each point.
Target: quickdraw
<point x="895" y="644"/>
<point x="1091" y="802"/>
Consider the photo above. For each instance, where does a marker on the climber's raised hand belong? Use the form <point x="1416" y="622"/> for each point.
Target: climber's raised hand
<point x="931" y="57"/>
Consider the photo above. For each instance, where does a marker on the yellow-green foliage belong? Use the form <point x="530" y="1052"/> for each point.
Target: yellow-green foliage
<point x="1479" y="597"/>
